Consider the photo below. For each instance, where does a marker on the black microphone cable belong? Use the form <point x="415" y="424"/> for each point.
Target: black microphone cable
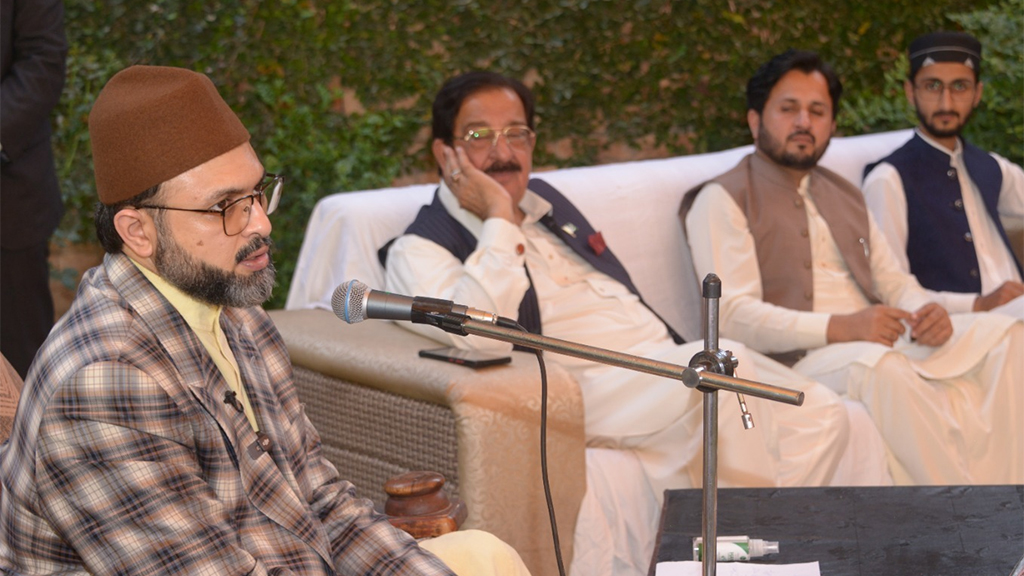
<point x="543" y="442"/>
<point x="454" y="324"/>
<point x="351" y="311"/>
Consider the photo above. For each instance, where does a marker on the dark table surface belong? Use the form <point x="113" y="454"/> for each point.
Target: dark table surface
<point x="869" y="531"/>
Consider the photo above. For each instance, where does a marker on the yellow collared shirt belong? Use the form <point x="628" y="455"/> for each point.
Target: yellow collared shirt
<point x="204" y="319"/>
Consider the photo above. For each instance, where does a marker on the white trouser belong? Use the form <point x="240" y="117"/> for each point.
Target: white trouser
<point x="789" y="445"/>
<point x="962" y="428"/>
<point x="476" y="553"/>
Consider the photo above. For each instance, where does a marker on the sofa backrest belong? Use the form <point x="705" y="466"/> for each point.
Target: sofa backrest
<point x="633" y="204"/>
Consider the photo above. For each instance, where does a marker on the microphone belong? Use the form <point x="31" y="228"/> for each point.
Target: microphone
<point x="354" y="302"/>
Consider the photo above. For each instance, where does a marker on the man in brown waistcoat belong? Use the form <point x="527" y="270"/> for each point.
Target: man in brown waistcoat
<point x="808" y="278"/>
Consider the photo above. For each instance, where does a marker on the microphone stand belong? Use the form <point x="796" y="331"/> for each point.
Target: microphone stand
<point x="709" y="371"/>
<point x="713" y="358"/>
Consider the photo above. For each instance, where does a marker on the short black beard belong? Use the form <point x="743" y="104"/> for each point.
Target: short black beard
<point x="213" y="285"/>
<point x="776" y="151"/>
<point x="937" y="132"/>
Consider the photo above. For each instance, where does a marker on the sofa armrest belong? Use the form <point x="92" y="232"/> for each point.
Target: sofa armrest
<point x="495" y="412"/>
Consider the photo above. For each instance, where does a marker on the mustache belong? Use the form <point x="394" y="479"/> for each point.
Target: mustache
<point x="253" y="246"/>
<point x="802" y="133"/>
<point x="504" y="166"/>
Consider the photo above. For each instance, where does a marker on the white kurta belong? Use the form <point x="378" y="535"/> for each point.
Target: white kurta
<point x="949" y="415"/>
<point x="883" y="192"/>
<point x="658" y="419"/>
<point x="623" y="408"/>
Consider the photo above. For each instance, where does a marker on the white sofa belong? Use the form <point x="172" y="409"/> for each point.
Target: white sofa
<point x="485" y="422"/>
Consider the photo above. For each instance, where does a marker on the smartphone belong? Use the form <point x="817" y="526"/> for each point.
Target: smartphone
<point x="470" y="358"/>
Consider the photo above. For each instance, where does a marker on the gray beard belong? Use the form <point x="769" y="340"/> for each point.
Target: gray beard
<point x="213" y="285"/>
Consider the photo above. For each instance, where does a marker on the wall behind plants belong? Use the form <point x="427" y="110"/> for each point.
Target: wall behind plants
<point x="337" y="92"/>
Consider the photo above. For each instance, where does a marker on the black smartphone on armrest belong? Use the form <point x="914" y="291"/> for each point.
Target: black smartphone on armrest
<point x="470" y="358"/>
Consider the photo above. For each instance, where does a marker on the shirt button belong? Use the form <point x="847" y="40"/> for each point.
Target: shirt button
<point x="804" y="233"/>
<point x="968" y="237"/>
<point x="520" y="249"/>
<point x="798" y="202"/>
<point x="958" y="204"/>
<point x="974" y="272"/>
<point x="951" y="173"/>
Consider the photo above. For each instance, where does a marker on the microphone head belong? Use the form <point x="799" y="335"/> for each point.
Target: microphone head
<point x="348" y="299"/>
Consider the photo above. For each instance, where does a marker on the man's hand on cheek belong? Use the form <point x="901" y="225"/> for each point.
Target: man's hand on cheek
<point x="476" y="191"/>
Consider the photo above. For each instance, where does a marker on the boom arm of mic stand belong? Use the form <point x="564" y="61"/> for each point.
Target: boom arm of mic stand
<point x="691" y="377"/>
<point x="700" y="375"/>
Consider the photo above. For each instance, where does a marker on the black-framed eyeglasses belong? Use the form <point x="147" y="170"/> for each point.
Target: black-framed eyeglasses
<point x="236" y="214"/>
<point x="481" y="139"/>
<point x="958" y="89"/>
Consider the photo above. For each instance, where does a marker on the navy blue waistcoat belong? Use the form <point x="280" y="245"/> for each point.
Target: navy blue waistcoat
<point x="434" y="223"/>
<point x="940" y="247"/>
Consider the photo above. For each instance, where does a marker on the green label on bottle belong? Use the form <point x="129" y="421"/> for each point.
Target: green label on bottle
<point x="726" y="552"/>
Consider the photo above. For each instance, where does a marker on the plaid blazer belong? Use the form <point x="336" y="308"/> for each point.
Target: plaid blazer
<point x="125" y="458"/>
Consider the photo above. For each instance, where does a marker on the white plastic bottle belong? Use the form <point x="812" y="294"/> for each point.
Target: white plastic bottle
<point x="736" y="548"/>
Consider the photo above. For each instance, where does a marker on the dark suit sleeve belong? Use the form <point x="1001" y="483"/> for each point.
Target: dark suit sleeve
<point x="33" y="75"/>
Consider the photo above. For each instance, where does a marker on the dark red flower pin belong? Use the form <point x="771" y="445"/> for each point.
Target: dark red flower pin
<point x="596" y="241"/>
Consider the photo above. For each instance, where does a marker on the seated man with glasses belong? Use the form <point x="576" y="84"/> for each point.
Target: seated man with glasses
<point x="236" y="212"/>
<point x="943" y="203"/>
<point x="159" y="431"/>
<point x="496" y="240"/>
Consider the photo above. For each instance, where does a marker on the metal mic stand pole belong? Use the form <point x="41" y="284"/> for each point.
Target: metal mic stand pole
<point x="722" y="362"/>
<point x="710" y="370"/>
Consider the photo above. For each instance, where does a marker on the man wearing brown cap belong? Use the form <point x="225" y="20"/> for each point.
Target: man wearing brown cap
<point x="159" y="431"/>
<point x="941" y="202"/>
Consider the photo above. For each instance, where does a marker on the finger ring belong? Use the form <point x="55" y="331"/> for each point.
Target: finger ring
<point x="455" y="174"/>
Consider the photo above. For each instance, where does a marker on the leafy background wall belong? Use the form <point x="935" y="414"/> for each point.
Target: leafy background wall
<point x="337" y="92"/>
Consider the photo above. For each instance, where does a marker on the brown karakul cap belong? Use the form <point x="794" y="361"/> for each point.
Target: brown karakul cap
<point x="152" y="123"/>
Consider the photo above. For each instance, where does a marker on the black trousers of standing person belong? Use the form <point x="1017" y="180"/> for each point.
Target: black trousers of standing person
<point x="26" y="305"/>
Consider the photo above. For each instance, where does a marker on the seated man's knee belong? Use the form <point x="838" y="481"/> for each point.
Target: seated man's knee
<point x="475" y="552"/>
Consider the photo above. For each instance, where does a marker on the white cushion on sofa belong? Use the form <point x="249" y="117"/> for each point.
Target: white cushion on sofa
<point x="633" y="204"/>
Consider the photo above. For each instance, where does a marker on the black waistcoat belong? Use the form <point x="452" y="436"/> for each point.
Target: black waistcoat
<point x="940" y="246"/>
<point x="434" y="223"/>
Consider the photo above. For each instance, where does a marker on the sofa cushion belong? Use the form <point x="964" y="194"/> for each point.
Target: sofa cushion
<point x="633" y="204"/>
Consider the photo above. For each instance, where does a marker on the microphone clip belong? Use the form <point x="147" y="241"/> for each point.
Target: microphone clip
<point x="231" y="399"/>
<point x="451" y="323"/>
